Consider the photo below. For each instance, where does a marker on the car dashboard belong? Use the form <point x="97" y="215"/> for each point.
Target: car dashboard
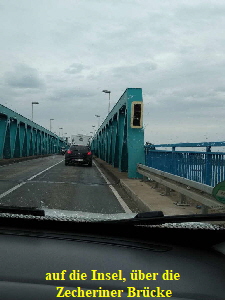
<point x="49" y="260"/>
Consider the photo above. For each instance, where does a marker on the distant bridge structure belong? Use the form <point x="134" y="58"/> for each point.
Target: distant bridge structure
<point x="20" y="137"/>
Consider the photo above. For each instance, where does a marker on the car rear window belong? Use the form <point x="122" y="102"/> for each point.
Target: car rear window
<point x="80" y="148"/>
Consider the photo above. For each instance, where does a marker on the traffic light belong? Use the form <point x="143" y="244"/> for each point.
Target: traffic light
<point x="137" y="114"/>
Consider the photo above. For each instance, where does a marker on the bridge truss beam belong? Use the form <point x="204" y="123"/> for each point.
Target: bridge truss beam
<point x="120" y="139"/>
<point x="20" y="137"/>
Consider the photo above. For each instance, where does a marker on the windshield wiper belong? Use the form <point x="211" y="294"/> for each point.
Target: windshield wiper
<point x="32" y="211"/>
<point x="158" y="218"/>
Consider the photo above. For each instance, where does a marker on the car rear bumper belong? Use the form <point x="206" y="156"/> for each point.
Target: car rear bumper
<point x="78" y="160"/>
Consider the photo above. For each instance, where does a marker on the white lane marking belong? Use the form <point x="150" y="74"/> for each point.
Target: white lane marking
<point x="22" y="183"/>
<point x="122" y="203"/>
<point x="44" y="170"/>
<point x="11" y="190"/>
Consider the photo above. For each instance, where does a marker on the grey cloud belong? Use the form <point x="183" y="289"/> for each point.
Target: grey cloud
<point x="138" y="69"/>
<point x="75" y="68"/>
<point x="71" y="94"/>
<point x="174" y="51"/>
<point x="24" y="77"/>
<point x="220" y="89"/>
<point x="204" y="11"/>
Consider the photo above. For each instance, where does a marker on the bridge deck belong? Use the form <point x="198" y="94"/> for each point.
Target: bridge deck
<point x="47" y="183"/>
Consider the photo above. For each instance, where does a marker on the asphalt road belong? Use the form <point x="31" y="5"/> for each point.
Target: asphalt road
<point x="48" y="183"/>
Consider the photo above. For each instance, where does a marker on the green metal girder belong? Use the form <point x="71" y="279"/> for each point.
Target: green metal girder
<point x="20" y="137"/>
<point x="120" y="139"/>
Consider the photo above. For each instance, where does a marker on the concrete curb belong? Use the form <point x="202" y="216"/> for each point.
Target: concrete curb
<point x="143" y="206"/>
<point x="111" y="174"/>
<point x="131" y="193"/>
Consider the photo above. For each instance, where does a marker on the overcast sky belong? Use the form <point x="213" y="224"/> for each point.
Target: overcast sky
<point x="63" y="53"/>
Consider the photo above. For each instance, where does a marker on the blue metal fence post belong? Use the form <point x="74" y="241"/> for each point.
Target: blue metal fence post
<point x="208" y="162"/>
<point x="173" y="161"/>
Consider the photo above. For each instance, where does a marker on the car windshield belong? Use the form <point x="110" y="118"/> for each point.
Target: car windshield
<point x="80" y="148"/>
<point x="112" y="108"/>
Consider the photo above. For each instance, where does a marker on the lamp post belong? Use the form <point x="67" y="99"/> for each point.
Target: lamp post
<point x="51" y="124"/>
<point x="97" y="116"/>
<point x="107" y="92"/>
<point x="33" y="109"/>
<point x="59" y="131"/>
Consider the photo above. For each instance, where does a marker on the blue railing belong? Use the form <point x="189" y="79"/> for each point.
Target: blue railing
<point x="205" y="167"/>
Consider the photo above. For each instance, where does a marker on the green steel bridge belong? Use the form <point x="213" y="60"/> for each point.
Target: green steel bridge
<point x="119" y="141"/>
<point x="20" y="137"/>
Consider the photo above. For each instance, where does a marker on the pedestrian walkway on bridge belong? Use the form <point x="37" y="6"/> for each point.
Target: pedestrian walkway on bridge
<point x="146" y="197"/>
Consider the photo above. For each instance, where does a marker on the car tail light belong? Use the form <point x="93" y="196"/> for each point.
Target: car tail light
<point x="89" y="153"/>
<point x="69" y="151"/>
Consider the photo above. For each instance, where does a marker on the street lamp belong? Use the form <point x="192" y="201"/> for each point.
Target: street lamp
<point x="33" y="109"/>
<point x="107" y="92"/>
<point x="97" y="116"/>
<point x="59" y="131"/>
<point x="51" y="124"/>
